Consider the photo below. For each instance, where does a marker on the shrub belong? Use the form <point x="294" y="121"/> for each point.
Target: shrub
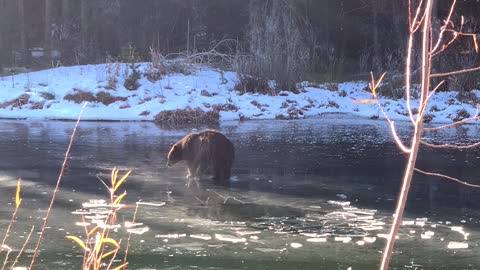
<point x="250" y="84"/>
<point x="468" y="97"/>
<point x="187" y="116"/>
<point x="461" y="115"/>
<point x="131" y="82"/>
<point x="392" y="88"/>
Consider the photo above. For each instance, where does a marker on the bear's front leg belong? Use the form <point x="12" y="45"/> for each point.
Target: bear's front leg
<point x="192" y="170"/>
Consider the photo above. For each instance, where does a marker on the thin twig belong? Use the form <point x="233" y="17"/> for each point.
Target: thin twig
<point x="448" y="177"/>
<point x="10" y="224"/>
<point x="452" y="73"/>
<point x="22" y="249"/>
<point x="457" y="123"/>
<point x="57" y="187"/>
<point x="130" y="234"/>
<point x="450" y="146"/>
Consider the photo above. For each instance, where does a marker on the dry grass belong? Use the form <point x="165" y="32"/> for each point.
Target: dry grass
<point x="47" y="95"/>
<point x="107" y="99"/>
<point x="187" y="116"/>
<point x="100" y="249"/>
<point x="80" y="96"/>
<point x="16" y="102"/>
<point x="102" y="97"/>
<point x="37" y="105"/>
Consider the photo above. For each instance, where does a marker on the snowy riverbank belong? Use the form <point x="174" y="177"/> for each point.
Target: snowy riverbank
<point x="41" y="95"/>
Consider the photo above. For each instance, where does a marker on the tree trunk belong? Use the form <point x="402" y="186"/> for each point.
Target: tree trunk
<point x="65" y="11"/>
<point x="48" y="28"/>
<point x="83" y="20"/>
<point x="418" y="130"/>
<point x="21" y="27"/>
<point x="376" y="65"/>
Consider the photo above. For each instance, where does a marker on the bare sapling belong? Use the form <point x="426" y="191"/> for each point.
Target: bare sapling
<point x="433" y="44"/>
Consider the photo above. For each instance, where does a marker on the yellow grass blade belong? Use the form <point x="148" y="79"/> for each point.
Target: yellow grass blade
<point x="108" y="254"/>
<point x="114" y="176"/>
<point x="78" y="241"/>
<point x="110" y="241"/>
<point x="93" y="230"/>
<point x="120" y="182"/>
<point x="119" y="199"/>
<point x="18" y="200"/>
<point x="121" y="266"/>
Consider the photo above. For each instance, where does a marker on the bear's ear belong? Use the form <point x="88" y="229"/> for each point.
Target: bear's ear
<point x="171" y="145"/>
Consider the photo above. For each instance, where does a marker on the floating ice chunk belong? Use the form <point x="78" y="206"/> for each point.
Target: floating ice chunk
<point x="408" y="222"/>
<point x="172" y="235"/>
<point x="424" y="236"/>
<point x="201" y="236"/>
<point x="369" y="239"/>
<point x="254" y="237"/>
<point x="248" y="232"/>
<point x="339" y="203"/>
<point x="457" y="245"/>
<point x="412" y="231"/>
<point x="296" y="245"/>
<point x="344" y="239"/>
<point x="430" y="233"/>
<point x="20" y="268"/>
<point x="457" y="229"/>
<point x="129" y="224"/>
<point x="83" y="224"/>
<point x="317" y="240"/>
<point x="230" y="238"/>
<point x="315" y="235"/>
<point x="140" y="230"/>
<point x="384" y="235"/>
<point x="360" y="242"/>
<point x="269" y="250"/>
<point x="342" y="196"/>
<point x="372" y="228"/>
<point x="420" y="223"/>
<point x="151" y="204"/>
<point x="95" y="203"/>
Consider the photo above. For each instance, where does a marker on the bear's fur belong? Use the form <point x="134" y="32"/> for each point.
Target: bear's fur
<point x="206" y="151"/>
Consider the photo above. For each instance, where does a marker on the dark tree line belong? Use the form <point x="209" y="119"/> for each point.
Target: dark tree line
<point x="311" y="36"/>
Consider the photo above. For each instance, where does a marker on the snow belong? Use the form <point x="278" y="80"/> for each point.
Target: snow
<point x="178" y="91"/>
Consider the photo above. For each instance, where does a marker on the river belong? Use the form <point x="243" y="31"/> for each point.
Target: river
<point x="306" y="194"/>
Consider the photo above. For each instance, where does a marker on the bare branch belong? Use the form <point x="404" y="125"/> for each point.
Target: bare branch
<point x="458" y="123"/>
<point x="448" y="177"/>
<point x="443" y="29"/>
<point x="453" y="146"/>
<point x="382" y="109"/>
<point x="452" y="73"/>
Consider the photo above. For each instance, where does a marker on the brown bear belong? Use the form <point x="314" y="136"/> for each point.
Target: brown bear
<point x="206" y="151"/>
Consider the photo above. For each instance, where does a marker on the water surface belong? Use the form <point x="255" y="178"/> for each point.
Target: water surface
<point x="309" y="194"/>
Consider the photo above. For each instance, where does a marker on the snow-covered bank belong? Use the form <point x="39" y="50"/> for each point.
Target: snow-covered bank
<point x="41" y="95"/>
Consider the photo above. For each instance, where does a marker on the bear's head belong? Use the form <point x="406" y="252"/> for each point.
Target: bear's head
<point x="175" y="155"/>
